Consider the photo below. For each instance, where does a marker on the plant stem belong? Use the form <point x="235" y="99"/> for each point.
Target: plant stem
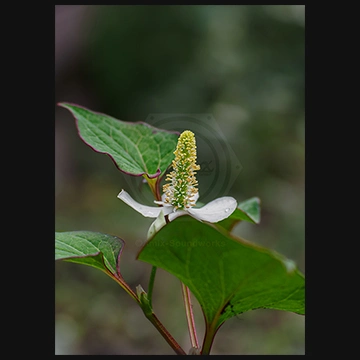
<point x="154" y="186"/>
<point x="166" y="335"/>
<point x="123" y="284"/>
<point x="149" y="314"/>
<point x="151" y="284"/>
<point x="208" y="339"/>
<point x="189" y="316"/>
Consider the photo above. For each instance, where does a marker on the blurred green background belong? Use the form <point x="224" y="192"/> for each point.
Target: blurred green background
<point x="243" y="64"/>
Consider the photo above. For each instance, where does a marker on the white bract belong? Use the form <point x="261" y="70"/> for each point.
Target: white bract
<point x="180" y="194"/>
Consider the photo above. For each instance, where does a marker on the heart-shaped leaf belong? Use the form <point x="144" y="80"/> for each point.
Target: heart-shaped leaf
<point x="135" y="148"/>
<point x="248" y="210"/>
<point x="227" y="275"/>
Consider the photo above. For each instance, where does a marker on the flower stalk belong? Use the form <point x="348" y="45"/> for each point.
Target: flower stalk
<point x="190" y="316"/>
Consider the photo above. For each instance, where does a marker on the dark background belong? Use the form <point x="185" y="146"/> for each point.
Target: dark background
<point x="245" y="65"/>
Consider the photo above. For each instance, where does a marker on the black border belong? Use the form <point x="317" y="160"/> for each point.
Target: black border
<point x="33" y="75"/>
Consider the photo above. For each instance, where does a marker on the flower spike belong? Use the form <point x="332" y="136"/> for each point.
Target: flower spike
<point x="181" y="191"/>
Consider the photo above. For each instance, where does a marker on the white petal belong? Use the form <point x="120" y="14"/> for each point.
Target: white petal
<point x="167" y="209"/>
<point x="156" y="225"/>
<point x="176" y="214"/>
<point x="147" y="211"/>
<point x="216" y="210"/>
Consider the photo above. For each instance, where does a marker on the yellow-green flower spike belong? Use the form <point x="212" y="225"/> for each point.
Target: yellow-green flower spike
<point x="181" y="190"/>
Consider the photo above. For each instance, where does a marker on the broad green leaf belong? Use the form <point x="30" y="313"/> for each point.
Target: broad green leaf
<point x="227" y="275"/>
<point x="95" y="249"/>
<point x="248" y="210"/>
<point x="135" y="148"/>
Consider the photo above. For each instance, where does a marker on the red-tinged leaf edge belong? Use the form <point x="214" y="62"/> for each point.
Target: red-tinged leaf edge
<point x="154" y="130"/>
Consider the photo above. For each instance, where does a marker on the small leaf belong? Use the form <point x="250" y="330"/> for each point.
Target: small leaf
<point x="227" y="275"/>
<point x="135" y="148"/>
<point x="248" y="210"/>
<point x="95" y="249"/>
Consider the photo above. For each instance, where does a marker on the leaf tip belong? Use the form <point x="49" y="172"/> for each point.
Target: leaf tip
<point x="289" y="265"/>
<point x="70" y="106"/>
<point x="257" y="218"/>
<point x="65" y="105"/>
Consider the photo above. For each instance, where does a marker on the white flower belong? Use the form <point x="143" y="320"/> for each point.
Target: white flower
<point x="216" y="210"/>
<point x="181" y="194"/>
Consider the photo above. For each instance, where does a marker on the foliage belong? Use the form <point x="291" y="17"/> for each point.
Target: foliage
<point x="228" y="275"/>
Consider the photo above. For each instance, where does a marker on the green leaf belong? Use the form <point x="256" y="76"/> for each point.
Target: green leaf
<point x="95" y="249"/>
<point x="248" y="210"/>
<point x="135" y="148"/>
<point x="227" y="275"/>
